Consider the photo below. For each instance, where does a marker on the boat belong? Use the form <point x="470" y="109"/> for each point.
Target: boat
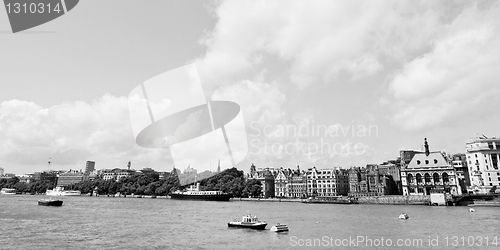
<point x="330" y="200"/>
<point x="50" y="202"/>
<point x="194" y="193"/>
<point x="472" y="210"/>
<point x="279" y="228"/>
<point x="59" y="191"/>
<point x="248" y="221"/>
<point x="403" y="216"/>
<point x="8" y="191"/>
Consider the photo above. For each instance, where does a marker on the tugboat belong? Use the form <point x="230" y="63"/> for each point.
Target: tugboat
<point x="403" y="216"/>
<point x="248" y="221"/>
<point x="50" y="202"/>
<point x="279" y="228"/>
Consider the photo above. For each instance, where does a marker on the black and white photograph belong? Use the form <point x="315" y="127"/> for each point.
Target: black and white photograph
<point x="249" y="124"/>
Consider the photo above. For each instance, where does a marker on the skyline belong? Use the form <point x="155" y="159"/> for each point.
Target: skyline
<point x="411" y="70"/>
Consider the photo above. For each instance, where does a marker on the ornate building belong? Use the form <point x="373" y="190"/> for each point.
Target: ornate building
<point x="326" y="183"/>
<point x="266" y="178"/>
<point x="290" y="183"/>
<point x="429" y="172"/>
<point x="371" y="181"/>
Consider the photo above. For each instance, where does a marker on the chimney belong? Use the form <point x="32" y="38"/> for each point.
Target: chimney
<point x="426" y="146"/>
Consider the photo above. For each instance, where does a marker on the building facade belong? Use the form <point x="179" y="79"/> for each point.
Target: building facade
<point x="266" y="178"/>
<point x="429" y="172"/>
<point x="70" y="177"/>
<point x="326" y="183"/>
<point x="371" y="181"/>
<point x="459" y="162"/>
<point x="483" y="157"/>
<point x="89" y="167"/>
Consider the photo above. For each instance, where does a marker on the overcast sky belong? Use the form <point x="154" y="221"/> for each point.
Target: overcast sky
<point x="319" y="83"/>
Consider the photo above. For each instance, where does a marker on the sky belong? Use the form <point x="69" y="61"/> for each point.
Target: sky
<point x="319" y="83"/>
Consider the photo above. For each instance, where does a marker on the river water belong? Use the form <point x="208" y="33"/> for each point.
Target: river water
<point x="133" y="223"/>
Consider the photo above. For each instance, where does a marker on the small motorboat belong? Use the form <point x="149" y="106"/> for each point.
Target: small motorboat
<point x="50" y="202"/>
<point x="403" y="216"/>
<point x="279" y="228"/>
<point x="248" y="221"/>
<point x="472" y="210"/>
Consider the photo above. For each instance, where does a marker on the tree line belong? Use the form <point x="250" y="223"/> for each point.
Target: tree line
<point x="33" y="187"/>
<point x="230" y="181"/>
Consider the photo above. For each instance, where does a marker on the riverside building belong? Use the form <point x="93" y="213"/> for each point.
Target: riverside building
<point x="325" y="183"/>
<point x="483" y="159"/>
<point x="429" y="172"/>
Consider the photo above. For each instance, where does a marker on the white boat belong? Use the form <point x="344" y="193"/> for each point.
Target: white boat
<point x="403" y="216"/>
<point x="279" y="228"/>
<point x="472" y="210"/>
<point x="59" y="191"/>
<point x="8" y="191"/>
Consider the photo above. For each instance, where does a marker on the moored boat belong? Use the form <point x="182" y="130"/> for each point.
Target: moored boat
<point x="8" y="191"/>
<point x="279" y="228"/>
<point x="194" y="193"/>
<point x="50" y="202"/>
<point x="248" y="221"/>
<point x="59" y="191"/>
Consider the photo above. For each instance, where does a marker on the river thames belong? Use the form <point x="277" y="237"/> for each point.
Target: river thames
<point x="133" y="223"/>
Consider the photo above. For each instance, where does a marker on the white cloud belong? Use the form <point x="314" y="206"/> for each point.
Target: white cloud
<point x="259" y="102"/>
<point x="73" y="132"/>
<point x="316" y="41"/>
<point x="457" y="79"/>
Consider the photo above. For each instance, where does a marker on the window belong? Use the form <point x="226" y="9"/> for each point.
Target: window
<point x="410" y="178"/>
<point x="435" y="161"/>
<point x="445" y="178"/>
<point x="418" y="162"/>
<point x="427" y="178"/>
<point x="426" y="162"/>
<point x="435" y="177"/>
<point x="419" y="179"/>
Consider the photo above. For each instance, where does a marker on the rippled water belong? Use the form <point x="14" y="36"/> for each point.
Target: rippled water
<point x="132" y="223"/>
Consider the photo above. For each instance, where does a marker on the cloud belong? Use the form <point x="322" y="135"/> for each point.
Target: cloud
<point x="71" y="132"/>
<point x="316" y="42"/>
<point x="457" y="79"/>
<point x="259" y="102"/>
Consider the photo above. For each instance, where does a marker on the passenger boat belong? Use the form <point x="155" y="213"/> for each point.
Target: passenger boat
<point x="59" y="191"/>
<point x="279" y="228"/>
<point x="248" y="221"/>
<point x="50" y="202"/>
<point x="194" y="193"/>
<point x="8" y="191"/>
<point x="403" y="216"/>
